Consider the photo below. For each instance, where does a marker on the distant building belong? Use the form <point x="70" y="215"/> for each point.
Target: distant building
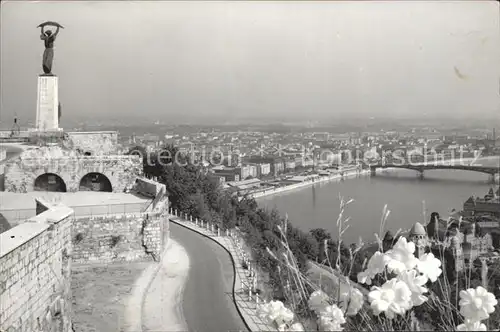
<point x="489" y="205"/>
<point x="290" y="165"/>
<point x="264" y="169"/>
<point x="299" y="161"/>
<point x="220" y="178"/>
<point x="308" y="163"/>
<point x="419" y="237"/>
<point x="248" y="170"/>
<point x="276" y="164"/>
<point x="228" y="173"/>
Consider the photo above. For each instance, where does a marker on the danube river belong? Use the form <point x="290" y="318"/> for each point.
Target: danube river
<point x="318" y="206"/>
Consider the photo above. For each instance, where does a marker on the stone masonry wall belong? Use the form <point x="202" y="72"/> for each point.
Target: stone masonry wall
<point x="3" y="153"/>
<point x="133" y="237"/>
<point x="97" y="142"/>
<point x="35" y="273"/>
<point x="21" y="173"/>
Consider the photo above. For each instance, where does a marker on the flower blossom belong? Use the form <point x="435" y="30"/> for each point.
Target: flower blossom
<point x="325" y="324"/>
<point x="393" y="298"/>
<point x="376" y="265"/>
<point x="429" y="266"/>
<point x="318" y="300"/>
<point x="477" y="304"/>
<point x="415" y="283"/>
<point x="296" y="327"/>
<point x="471" y="326"/>
<point x="331" y="318"/>
<point x="401" y="256"/>
<point x="334" y="313"/>
<point x="275" y="312"/>
<point x="351" y="299"/>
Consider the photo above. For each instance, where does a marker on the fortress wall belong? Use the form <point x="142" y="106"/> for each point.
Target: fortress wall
<point x="20" y="174"/>
<point x="121" y="238"/>
<point x="35" y="274"/>
<point x="96" y="142"/>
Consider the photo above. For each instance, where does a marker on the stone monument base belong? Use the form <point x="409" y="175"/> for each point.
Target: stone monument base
<point x="47" y="107"/>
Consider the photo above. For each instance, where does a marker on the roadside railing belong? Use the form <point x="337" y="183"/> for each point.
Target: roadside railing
<point x="247" y="290"/>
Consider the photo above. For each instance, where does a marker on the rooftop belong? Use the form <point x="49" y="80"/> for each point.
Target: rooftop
<point x="243" y="182"/>
<point x="418" y="229"/>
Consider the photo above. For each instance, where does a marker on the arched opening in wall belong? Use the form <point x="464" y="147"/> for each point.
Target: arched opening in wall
<point x="50" y="182"/>
<point x="95" y="182"/>
<point x="87" y="154"/>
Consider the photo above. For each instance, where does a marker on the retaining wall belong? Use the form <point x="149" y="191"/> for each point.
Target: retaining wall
<point x="120" y="238"/>
<point x="35" y="274"/>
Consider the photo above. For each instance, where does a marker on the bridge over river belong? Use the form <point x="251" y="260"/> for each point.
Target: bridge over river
<point x="490" y="170"/>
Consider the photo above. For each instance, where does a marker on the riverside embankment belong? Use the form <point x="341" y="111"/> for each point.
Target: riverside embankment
<point x="366" y="172"/>
<point x="321" y="179"/>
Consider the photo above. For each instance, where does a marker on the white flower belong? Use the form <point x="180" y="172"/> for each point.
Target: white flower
<point x="377" y="262"/>
<point x="471" y="326"/>
<point x="365" y="277"/>
<point x="351" y="299"/>
<point x="393" y="298"/>
<point x="275" y="312"/>
<point x="285" y="317"/>
<point x="326" y="324"/>
<point x="477" y="304"/>
<point x="296" y="327"/>
<point x="265" y="312"/>
<point x="333" y="313"/>
<point x="376" y="265"/>
<point x="415" y="283"/>
<point x="318" y="300"/>
<point x="401" y="256"/>
<point x="429" y="266"/>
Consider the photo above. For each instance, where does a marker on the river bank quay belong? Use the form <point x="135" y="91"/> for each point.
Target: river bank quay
<point x="322" y="179"/>
<point x="364" y="172"/>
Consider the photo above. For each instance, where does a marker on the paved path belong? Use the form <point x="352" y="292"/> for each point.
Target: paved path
<point x="162" y="304"/>
<point x="246" y="306"/>
<point x="207" y="301"/>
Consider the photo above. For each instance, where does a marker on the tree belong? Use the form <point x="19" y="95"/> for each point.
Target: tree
<point x="320" y="234"/>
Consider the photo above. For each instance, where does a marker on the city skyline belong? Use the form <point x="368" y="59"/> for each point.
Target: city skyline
<point x="256" y="60"/>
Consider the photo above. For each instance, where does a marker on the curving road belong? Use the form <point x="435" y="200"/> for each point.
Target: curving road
<point x="207" y="300"/>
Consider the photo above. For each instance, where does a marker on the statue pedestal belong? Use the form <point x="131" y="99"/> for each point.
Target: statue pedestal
<point x="47" y="106"/>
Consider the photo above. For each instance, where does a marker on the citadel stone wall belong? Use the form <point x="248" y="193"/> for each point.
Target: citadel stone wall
<point x="95" y="142"/>
<point x="3" y="156"/>
<point x="21" y="173"/>
<point x="3" y="153"/>
<point x="120" y="238"/>
<point x="35" y="273"/>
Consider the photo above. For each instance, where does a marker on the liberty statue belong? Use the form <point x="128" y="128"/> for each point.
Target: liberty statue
<point x="49" y="38"/>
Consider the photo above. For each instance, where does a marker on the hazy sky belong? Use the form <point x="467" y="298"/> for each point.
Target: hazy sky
<point x="198" y="59"/>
